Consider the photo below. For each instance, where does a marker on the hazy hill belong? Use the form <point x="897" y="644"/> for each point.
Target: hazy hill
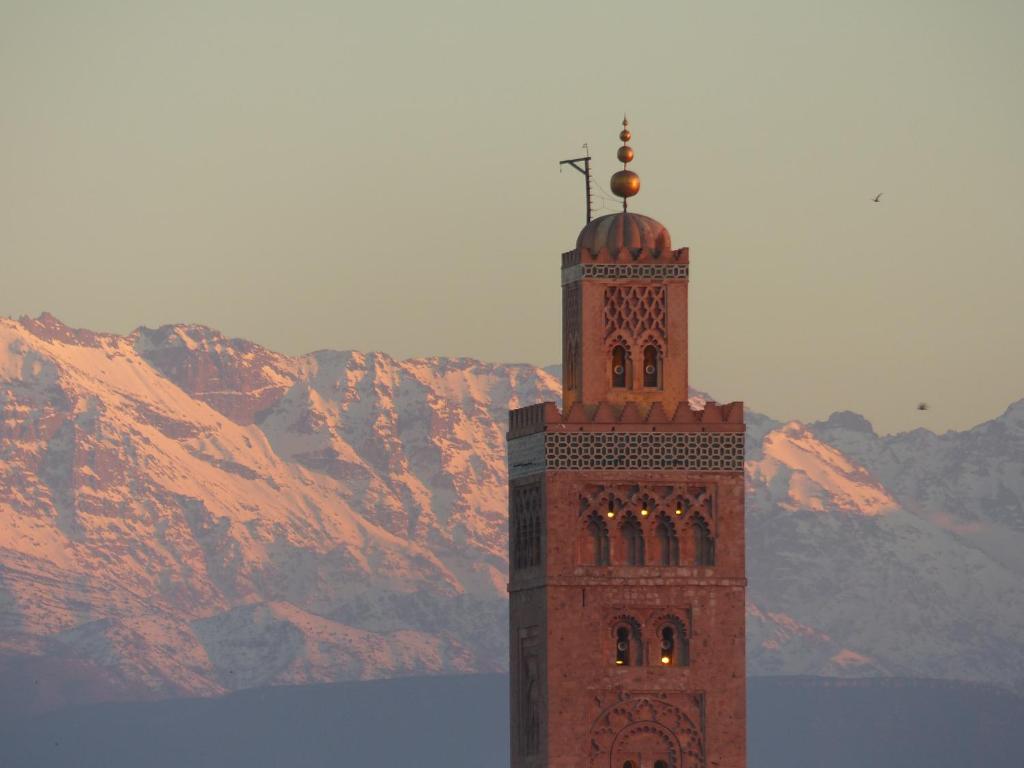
<point x="462" y="722"/>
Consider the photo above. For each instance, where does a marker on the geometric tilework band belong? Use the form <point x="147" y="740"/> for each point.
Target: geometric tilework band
<point x="702" y="451"/>
<point x="625" y="272"/>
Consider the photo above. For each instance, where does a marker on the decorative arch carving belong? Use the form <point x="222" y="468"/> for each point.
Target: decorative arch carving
<point x="594" y="544"/>
<point x="652" y="364"/>
<point x="649" y="727"/>
<point x="666" y="541"/>
<point x="618" y="340"/>
<point x="619" y="353"/>
<point x="703" y="541"/>
<point x="679" y="653"/>
<point x="602" y="500"/>
<point x="635" y="310"/>
<point x="652" y="339"/>
<point x="626" y="629"/>
<point x="632" y="550"/>
<point x="697" y="499"/>
<point x="642" y="743"/>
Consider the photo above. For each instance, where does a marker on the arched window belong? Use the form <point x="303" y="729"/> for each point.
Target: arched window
<point x="673" y="643"/>
<point x="627" y="642"/>
<point x="666" y="544"/>
<point x="652" y="366"/>
<point x="620" y="363"/>
<point x="703" y="544"/>
<point x="667" y="645"/>
<point x="632" y="541"/>
<point x="622" y="654"/>
<point x="594" y="548"/>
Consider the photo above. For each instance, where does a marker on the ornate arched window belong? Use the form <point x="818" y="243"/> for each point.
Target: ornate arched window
<point x="652" y="366"/>
<point x="703" y="543"/>
<point x="632" y="541"/>
<point x="673" y="642"/>
<point x="620" y="367"/>
<point x="666" y="544"/>
<point x="626" y="634"/>
<point x="595" y="546"/>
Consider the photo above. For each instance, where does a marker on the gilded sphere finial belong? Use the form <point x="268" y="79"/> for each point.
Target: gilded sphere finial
<point x="625" y="183"/>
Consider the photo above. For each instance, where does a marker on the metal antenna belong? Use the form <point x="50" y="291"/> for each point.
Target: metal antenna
<point x="585" y="170"/>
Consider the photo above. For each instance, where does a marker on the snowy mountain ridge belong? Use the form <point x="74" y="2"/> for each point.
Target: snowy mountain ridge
<point x="182" y="513"/>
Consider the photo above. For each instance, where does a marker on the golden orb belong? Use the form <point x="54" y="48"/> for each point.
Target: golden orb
<point x="625" y="183"/>
<point x="625" y="135"/>
<point x="625" y="154"/>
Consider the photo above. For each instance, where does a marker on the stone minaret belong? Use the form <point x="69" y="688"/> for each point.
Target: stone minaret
<point x="626" y="530"/>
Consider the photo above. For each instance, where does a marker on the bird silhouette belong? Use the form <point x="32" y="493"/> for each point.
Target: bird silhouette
<point x="922" y="406"/>
<point x="877" y="198"/>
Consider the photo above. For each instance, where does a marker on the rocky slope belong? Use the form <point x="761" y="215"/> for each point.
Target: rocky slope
<point x="182" y="513"/>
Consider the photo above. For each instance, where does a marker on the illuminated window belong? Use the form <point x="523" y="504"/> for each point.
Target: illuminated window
<point x="622" y="655"/>
<point x="668" y="646"/>
<point x="627" y="642"/>
<point x="673" y="643"/>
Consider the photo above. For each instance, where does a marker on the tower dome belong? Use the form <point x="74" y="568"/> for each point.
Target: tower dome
<point x="631" y="231"/>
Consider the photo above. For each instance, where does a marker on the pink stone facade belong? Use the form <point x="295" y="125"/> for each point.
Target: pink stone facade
<point x="627" y="581"/>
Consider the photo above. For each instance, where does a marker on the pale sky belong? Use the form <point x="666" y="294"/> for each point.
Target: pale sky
<point x="385" y="176"/>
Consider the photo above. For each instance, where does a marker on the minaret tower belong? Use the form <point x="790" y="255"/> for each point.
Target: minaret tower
<point x="626" y="531"/>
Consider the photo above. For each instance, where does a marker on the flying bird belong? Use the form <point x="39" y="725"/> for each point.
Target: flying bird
<point x="922" y="406"/>
<point x="877" y="198"/>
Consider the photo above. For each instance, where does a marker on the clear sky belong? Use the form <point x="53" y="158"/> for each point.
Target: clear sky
<point x="312" y="174"/>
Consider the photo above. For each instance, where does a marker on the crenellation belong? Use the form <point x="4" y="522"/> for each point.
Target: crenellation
<point x="547" y="416"/>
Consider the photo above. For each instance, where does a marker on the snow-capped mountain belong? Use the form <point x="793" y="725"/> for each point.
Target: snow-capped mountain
<point x="831" y="547"/>
<point x="182" y="513"/>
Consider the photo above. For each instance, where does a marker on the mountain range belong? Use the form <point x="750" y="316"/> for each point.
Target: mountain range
<point x="184" y="514"/>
